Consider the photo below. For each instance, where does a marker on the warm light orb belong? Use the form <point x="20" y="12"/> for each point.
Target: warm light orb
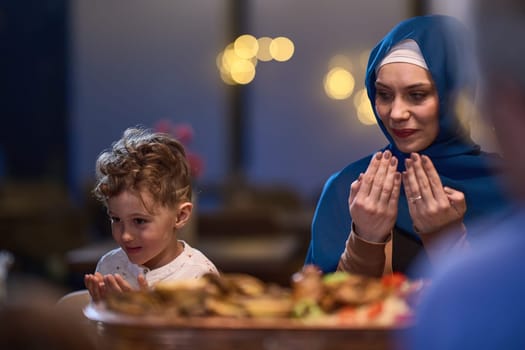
<point x="227" y="77"/>
<point x="363" y="59"/>
<point x="246" y="46"/>
<point x="263" y="54"/>
<point x="223" y="61"/>
<point x="465" y="108"/>
<point x="228" y="57"/>
<point x="281" y="49"/>
<point x="237" y="62"/>
<point x="242" y="71"/>
<point x="365" y="114"/>
<point x="342" y="61"/>
<point x="339" y="83"/>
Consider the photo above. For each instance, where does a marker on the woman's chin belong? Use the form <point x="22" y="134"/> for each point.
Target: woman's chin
<point x="409" y="147"/>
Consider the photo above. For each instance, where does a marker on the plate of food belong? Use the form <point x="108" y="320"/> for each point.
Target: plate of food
<point x="337" y="300"/>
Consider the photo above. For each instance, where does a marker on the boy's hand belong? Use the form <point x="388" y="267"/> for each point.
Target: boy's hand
<point x="95" y="284"/>
<point x="100" y="286"/>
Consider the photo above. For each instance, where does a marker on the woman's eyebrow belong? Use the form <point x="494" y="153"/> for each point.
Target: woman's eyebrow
<point x="411" y="86"/>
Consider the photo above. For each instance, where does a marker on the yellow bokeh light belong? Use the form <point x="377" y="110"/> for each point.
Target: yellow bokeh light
<point x="466" y="109"/>
<point x="237" y="62"/>
<point x="246" y="46"/>
<point x="360" y="98"/>
<point x="263" y="54"/>
<point x="242" y="71"/>
<point x="365" y="115"/>
<point x="226" y="77"/>
<point x="234" y="69"/>
<point x="341" y="61"/>
<point x="281" y="49"/>
<point x="339" y="83"/>
<point x="228" y="57"/>
<point x="363" y="58"/>
<point x="364" y="108"/>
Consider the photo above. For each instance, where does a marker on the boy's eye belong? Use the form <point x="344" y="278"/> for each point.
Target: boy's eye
<point x="140" y="221"/>
<point x="114" y="219"/>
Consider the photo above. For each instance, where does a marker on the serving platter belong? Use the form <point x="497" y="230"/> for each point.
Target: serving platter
<point x="99" y="313"/>
<point x="155" y="332"/>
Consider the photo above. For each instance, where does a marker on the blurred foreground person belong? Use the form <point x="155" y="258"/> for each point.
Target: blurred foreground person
<point x="30" y="318"/>
<point x="476" y="301"/>
<point x="35" y="326"/>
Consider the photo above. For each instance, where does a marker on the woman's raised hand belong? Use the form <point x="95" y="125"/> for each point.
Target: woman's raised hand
<point x="374" y="198"/>
<point x="432" y="207"/>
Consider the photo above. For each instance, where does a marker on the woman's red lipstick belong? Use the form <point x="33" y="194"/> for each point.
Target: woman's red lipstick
<point x="402" y="133"/>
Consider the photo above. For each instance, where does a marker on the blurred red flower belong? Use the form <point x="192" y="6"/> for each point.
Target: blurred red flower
<point x="184" y="133"/>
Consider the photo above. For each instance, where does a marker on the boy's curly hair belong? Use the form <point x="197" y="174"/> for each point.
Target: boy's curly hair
<point x="144" y="160"/>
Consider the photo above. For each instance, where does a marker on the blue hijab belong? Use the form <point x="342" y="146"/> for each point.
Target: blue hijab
<point x="459" y="161"/>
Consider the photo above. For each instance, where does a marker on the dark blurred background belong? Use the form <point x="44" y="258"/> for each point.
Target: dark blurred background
<point x="74" y="74"/>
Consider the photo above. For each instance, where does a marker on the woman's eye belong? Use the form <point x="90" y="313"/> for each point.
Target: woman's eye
<point x="383" y="96"/>
<point x="418" y="96"/>
<point x="114" y="219"/>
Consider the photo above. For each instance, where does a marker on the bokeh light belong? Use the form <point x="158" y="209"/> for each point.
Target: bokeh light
<point x="282" y="49"/>
<point x="363" y="59"/>
<point x="233" y="68"/>
<point x="246" y="46"/>
<point x="237" y="62"/>
<point x="339" y="83"/>
<point x="342" y="61"/>
<point x="243" y="71"/>
<point x="263" y="54"/>
<point x="466" y="109"/>
<point x="363" y="107"/>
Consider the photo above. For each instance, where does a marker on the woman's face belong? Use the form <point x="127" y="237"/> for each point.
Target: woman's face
<point x="408" y="104"/>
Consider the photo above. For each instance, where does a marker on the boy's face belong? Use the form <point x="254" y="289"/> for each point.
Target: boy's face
<point x="145" y="231"/>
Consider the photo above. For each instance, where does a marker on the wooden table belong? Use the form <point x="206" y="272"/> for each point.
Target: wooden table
<point x="139" y="333"/>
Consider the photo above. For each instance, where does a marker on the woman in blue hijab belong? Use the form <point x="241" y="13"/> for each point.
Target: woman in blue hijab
<point x="431" y="180"/>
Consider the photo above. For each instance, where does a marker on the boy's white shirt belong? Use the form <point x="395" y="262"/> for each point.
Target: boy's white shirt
<point x="190" y="264"/>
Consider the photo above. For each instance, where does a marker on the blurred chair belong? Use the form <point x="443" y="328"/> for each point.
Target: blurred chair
<point x="73" y="304"/>
<point x="75" y="300"/>
<point x="39" y="325"/>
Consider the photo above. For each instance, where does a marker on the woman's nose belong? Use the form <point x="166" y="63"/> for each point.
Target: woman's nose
<point x="399" y="110"/>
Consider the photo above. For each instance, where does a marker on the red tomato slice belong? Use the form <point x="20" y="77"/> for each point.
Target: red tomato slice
<point x="346" y="314"/>
<point x="395" y="280"/>
<point x="374" y="310"/>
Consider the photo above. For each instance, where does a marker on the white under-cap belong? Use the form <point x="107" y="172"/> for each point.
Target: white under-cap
<point x="406" y="51"/>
